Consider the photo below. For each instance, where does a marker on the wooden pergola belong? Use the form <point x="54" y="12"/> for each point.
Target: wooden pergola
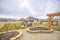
<point x="50" y="18"/>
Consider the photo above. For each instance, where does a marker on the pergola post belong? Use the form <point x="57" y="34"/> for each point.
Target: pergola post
<point x="49" y="22"/>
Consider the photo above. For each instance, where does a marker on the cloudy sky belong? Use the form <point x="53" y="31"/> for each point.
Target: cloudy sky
<point x="25" y="8"/>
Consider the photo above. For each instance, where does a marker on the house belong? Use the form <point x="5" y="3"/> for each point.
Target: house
<point x="29" y="21"/>
<point x="33" y="20"/>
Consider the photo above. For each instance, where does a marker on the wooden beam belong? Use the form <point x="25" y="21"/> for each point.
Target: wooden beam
<point x="54" y="14"/>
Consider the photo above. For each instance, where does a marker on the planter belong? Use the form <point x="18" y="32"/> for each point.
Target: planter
<point x="39" y="29"/>
<point x="10" y="35"/>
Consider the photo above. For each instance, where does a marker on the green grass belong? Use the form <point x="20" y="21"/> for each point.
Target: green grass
<point x="43" y="25"/>
<point x="46" y="25"/>
<point x="17" y="26"/>
<point x="56" y="28"/>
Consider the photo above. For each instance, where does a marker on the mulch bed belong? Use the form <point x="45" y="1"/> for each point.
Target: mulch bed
<point x="38" y="28"/>
<point x="8" y="35"/>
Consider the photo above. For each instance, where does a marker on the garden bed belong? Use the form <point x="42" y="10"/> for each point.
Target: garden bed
<point x="39" y="29"/>
<point x="10" y="35"/>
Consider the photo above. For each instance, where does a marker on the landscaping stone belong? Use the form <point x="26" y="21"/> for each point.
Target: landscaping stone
<point x="39" y="29"/>
<point x="8" y="35"/>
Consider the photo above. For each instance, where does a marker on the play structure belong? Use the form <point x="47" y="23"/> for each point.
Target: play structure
<point x="43" y="29"/>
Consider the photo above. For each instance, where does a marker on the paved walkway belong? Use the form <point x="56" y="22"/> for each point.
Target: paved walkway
<point x="40" y="36"/>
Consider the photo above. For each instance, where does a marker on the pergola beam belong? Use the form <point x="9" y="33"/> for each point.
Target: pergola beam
<point x="54" y="14"/>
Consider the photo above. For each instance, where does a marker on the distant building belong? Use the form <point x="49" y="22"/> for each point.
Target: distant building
<point x="29" y="20"/>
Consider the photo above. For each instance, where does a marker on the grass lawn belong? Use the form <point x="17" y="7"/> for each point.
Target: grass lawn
<point x="56" y="28"/>
<point x="46" y="25"/>
<point x="17" y="26"/>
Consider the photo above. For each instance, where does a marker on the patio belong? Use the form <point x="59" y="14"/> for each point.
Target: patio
<point x="40" y="36"/>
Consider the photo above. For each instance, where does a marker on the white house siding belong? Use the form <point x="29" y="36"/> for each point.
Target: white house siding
<point x="45" y="23"/>
<point x="36" y="22"/>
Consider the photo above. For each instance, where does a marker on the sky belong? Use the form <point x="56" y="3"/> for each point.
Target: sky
<point x="24" y="8"/>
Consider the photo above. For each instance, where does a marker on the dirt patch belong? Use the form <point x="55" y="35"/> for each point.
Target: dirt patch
<point x="8" y="35"/>
<point x="39" y="28"/>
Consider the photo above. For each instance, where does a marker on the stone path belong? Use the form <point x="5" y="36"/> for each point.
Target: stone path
<point x="40" y="36"/>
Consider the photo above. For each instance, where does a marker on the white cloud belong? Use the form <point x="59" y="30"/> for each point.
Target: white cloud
<point x="6" y="16"/>
<point x="26" y="4"/>
<point x="42" y="17"/>
<point x="10" y="16"/>
<point x="34" y="8"/>
<point x="51" y="7"/>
